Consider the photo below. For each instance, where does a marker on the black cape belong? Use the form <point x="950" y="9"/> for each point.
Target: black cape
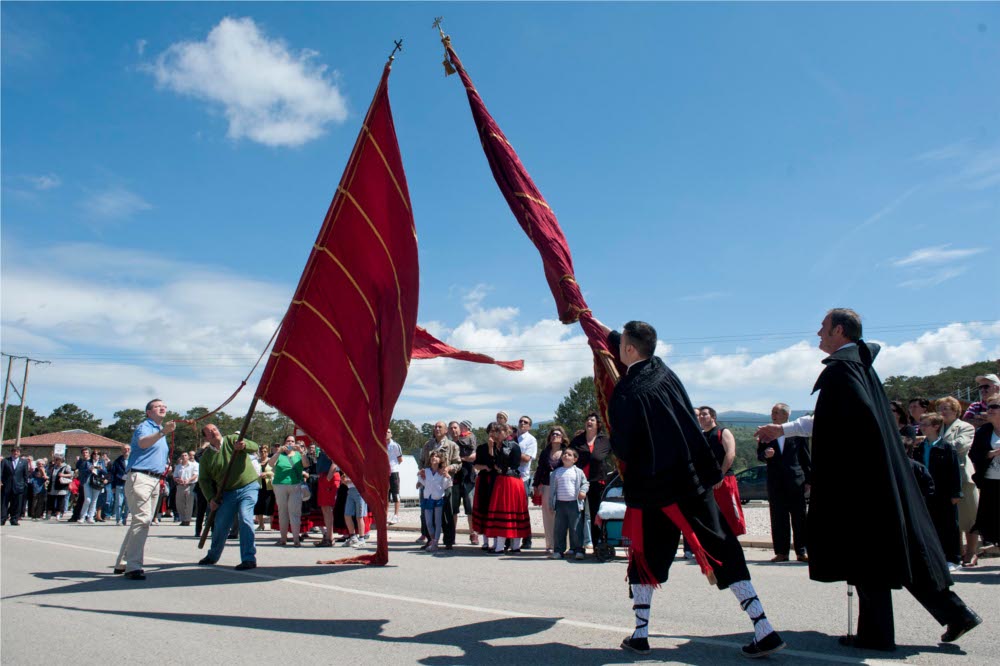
<point x="867" y="519"/>
<point x="655" y="434"/>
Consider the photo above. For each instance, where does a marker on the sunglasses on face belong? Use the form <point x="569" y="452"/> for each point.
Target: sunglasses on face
<point x="991" y="407"/>
<point x="985" y="387"/>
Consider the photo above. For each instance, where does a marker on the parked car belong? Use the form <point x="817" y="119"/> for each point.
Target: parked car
<point x="752" y="483"/>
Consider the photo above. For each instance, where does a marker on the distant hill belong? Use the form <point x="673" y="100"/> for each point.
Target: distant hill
<point x="754" y="417"/>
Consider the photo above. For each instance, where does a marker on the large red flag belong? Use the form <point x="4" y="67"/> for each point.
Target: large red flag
<point x="539" y="222"/>
<point x="340" y="360"/>
<point x="426" y="345"/>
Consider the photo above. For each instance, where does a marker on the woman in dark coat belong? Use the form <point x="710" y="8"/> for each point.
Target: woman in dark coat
<point x="941" y="461"/>
<point x="485" y="462"/>
<point x="985" y="457"/>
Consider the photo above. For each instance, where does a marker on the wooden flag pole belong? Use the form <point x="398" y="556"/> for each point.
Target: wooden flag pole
<point x="210" y="518"/>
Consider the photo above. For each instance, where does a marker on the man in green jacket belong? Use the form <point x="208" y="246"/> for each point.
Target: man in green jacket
<point x="239" y="493"/>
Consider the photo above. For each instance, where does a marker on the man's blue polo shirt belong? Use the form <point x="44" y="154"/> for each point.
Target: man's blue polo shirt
<point x="153" y="459"/>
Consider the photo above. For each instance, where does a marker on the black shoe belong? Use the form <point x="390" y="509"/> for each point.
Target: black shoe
<point x="526" y="544"/>
<point x="14" y="524"/>
<point x="861" y="644"/>
<point x="185" y="523"/>
<point x="765" y="646"/>
<point x="449" y="546"/>
<point x="119" y="572"/>
<point x="206" y="562"/>
<point x="138" y="574"/>
<point x="969" y="621"/>
<point x="637" y="645"/>
<point x="425" y="546"/>
<point x="244" y="566"/>
<point x="515" y="550"/>
<point x="324" y="544"/>
<point x="233" y="535"/>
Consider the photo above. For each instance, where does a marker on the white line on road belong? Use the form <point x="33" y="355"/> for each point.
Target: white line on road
<point x="805" y="654"/>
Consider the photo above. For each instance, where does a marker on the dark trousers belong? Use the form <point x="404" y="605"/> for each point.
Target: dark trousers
<point x="944" y="515"/>
<point x="200" y="507"/>
<point x="38" y="505"/>
<point x="875" y="622"/>
<point x="78" y="507"/>
<point x="12" y="506"/>
<point x="787" y="501"/>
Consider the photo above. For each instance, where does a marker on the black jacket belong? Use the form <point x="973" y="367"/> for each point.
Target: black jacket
<point x="871" y="497"/>
<point x="980" y="449"/>
<point x="943" y="468"/>
<point x="789" y="468"/>
<point x="15" y="478"/>
<point x="656" y="437"/>
<point x="600" y="466"/>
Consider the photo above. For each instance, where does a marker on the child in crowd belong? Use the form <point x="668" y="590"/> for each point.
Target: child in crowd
<point x="435" y="481"/>
<point x="568" y="490"/>
<point x="355" y="511"/>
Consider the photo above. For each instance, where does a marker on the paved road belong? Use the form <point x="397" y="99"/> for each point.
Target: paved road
<point x="458" y="607"/>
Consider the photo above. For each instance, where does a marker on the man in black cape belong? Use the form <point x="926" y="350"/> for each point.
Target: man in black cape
<point x="874" y="502"/>
<point x="668" y="475"/>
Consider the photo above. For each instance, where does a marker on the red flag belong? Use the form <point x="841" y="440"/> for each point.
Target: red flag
<point x="540" y="223"/>
<point x="340" y="360"/>
<point x="426" y="345"/>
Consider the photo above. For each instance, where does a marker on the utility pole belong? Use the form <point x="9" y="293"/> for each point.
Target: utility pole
<point x="6" y="385"/>
<point x="24" y="394"/>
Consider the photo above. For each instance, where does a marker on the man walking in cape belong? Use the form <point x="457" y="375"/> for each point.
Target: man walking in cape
<point x="875" y="501"/>
<point x="669" y="472"/>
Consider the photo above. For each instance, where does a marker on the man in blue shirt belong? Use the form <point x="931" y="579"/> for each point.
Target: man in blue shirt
<point x="146" y="464"/>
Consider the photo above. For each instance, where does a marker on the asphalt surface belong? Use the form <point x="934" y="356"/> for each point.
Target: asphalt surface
<point x="62" y="604"/>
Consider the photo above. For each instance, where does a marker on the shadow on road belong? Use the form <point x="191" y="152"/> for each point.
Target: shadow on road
<point x="475" y="640"/>
<point x="182" y="575"/>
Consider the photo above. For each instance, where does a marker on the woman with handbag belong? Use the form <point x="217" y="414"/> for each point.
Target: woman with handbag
<point x="549" y="460"/>
<point x="60" y="477"/>
<point x="287" y="485"/>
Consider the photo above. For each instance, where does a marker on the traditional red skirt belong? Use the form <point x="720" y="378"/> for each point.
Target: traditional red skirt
<point x="508" y="513"/>
<point x="727" y="496"/>
<point x="481" y="500"/>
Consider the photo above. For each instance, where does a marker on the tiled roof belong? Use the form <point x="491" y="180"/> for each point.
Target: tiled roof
<point x="78" y="438"/>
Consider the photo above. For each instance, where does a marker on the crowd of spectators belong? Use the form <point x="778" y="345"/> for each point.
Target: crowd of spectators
<point x="955" y="454"/>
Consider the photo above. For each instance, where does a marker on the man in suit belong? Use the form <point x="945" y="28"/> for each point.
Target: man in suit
<point x="788" y="473"/>
<point x="15" y="477"/>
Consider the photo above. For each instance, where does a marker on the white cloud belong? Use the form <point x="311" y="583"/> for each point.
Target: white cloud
<point x="140" y="46"/>
<point x="268" y="93"/>
<point x="971" y="166"/>
<point x="114" y="203"/>
<point x="933" y="279"/>
<point x="936" y="255"/>
<point x="44" y="182"/>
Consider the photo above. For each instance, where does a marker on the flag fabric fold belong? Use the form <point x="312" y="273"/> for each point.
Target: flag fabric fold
<point x="539" y="222"/>
<point x="341" y="358"/>
<point x="426" y="345"/>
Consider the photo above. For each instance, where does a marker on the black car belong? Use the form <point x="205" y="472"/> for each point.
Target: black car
<point x="752" y="483"/>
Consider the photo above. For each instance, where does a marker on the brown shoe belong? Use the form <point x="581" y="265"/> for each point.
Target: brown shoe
<point x="780" y="558"/>
<point x="474" y="539"/>
<point x="802" y="558"/>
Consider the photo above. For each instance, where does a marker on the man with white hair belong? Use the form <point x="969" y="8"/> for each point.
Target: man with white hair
<point x="789" y="469"/>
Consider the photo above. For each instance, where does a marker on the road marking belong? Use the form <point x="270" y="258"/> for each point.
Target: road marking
<point x="676" y="640"/>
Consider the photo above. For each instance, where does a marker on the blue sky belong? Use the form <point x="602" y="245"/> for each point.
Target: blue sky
<point x="725" y="171"/>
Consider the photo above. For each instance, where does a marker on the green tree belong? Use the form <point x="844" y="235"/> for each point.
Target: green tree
<point x="126" y="421"/>
<point x="581" y="400"/>
<point x="407" y="436"/>
<point x="33" y="423"/>
<point x="947" y="381"/>
<point x="71" y="417"/>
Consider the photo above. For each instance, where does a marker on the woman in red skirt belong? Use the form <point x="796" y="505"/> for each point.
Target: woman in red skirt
<point x="507" y="517"/>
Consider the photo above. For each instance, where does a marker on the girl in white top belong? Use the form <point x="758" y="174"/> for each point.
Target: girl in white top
<point x="435" y="481"/>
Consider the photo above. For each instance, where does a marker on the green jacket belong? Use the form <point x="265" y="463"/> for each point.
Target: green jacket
<point x="212" y="467"/>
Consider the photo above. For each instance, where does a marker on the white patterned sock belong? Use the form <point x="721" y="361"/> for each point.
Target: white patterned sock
<point x="747" y="597"/>
<point x="642" y="597"/>
<point x="515" y="543"/>
<point x="498" y="548"/>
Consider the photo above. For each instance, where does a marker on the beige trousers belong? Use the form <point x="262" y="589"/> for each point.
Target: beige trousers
<point x="185" y="502"/>
<point x="142" y="493"/>
<point x="288" y="496"/>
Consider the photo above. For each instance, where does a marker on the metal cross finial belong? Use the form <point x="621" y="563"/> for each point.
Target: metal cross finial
<point x="399" y="47"/>
<point x="437" y="24"/>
